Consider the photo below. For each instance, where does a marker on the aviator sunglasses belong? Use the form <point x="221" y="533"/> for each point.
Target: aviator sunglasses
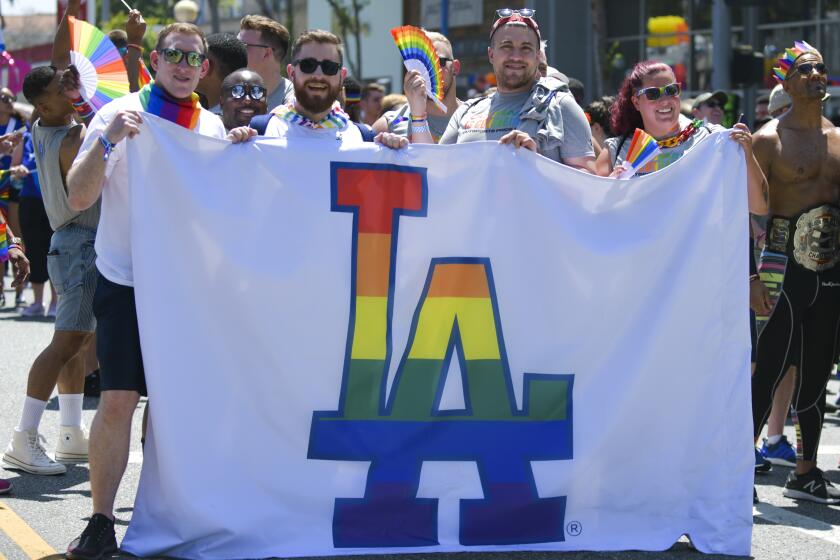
<point x="507" y="12"/>
<point x="807" y="67"/>
<point x="252" y="91"/>
<point x="309" y="65"/>
<point x="654" y="93"/>
<point x="175" y="56"/>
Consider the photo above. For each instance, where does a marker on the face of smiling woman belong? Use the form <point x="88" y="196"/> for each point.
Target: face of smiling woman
<point x="660" y="117"/>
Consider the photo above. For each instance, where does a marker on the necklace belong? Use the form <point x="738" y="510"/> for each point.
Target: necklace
<point x="684" y="135"/>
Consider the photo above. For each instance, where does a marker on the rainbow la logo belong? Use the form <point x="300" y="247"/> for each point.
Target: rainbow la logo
<point x="457" y="316"/>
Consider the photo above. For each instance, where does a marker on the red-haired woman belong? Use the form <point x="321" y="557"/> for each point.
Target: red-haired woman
<point x="649" y="99"/>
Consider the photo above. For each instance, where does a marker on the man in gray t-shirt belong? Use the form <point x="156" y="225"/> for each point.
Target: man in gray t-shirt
<point x="267" y="43"/>
<point x="526" y="111"/>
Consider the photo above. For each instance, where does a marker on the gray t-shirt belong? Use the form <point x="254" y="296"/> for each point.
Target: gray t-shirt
<point x="399" y="122"/>
<point x="666" y="156"/>
<point x="285" y="93"/>
<point x="496" y="115"/>
<point x="47" y="142"/>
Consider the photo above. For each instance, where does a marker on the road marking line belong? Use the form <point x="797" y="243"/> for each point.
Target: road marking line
<point x="802" y="523"/>
<point x="22" y="534"/>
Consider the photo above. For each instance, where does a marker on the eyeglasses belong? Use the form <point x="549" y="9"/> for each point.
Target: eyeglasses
<point x="309" y="65"/>
<point x="444" y="61"/>
<point x="807" y="67"/>
<point x="175" y="56"/>
<point x="254" y="92"/>
<point x="507" y="12"/>
<point x="122" y="50"/>
<point x="654" y="93"/>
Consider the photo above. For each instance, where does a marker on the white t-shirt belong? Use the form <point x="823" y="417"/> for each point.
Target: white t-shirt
<point x="280" y="128"/>
<point x="113" y="237"/>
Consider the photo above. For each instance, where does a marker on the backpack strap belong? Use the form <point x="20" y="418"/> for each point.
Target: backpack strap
<point x="618" y="149"/>
<point x="367" y="132"/>
<point x="260" y="123"/>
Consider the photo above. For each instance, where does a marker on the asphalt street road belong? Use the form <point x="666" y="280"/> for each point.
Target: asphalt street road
<point x="42" y="515"/>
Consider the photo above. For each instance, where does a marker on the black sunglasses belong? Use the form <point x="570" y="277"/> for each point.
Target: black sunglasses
<point x="807" y="67"/>
<point x="309" y="65"/>
<point x="254" y="92"/>
<point x="175" y="56"/>
<point x="444" y="61"/>
<point x="7" y="99"/>
<point x="507" y="12"/>
<point x="654" y="93"/>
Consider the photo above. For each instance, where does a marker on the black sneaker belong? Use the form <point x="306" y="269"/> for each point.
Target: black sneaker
<point x="762" y="465"/>
<point x="811" y="486"/>
<point x="97" y="540"/>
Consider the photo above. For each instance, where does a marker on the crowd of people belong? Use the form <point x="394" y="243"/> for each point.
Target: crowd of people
<point x="72" y="209"/>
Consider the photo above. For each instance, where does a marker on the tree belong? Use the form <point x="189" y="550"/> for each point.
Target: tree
<point x="347" y="17"/>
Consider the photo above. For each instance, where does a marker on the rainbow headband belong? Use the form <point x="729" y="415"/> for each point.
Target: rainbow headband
<point x="787" y="59"/>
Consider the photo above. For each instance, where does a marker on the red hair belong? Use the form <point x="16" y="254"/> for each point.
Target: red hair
<point x="624" y="117"/>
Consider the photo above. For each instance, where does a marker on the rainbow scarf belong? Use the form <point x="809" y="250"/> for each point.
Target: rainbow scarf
<point x="336" y="118"/>
<point x="159" y="103"/>
<point x="4" y="246"/>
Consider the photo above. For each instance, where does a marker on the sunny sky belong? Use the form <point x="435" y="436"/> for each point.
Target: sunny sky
<point x="25" y="7"/>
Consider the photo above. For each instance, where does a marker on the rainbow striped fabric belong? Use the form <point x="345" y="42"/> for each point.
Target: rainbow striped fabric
<point x="4" y="245"/>
<point x="335" y="119"/>
<point x="157" y="102"/>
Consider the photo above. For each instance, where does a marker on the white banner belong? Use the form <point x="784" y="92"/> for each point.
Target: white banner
<point x="444" y="348"/>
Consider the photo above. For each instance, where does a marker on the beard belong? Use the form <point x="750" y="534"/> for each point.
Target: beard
<point x="516" y="82"/>
<point x="319" y="102"/>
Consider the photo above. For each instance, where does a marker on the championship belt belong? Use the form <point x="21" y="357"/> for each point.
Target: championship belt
<point x="778" y="233"/>
<point x="816" y="240"/>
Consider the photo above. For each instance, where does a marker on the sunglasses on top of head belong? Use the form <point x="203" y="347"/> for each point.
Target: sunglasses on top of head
<point x="254" y="92"/>
<point x="309" y="65"/>
<point x="807" y="67"/>
<point x="175" y="56"/>
<point x="507" y="12"/>
<point x="654" y="93"/>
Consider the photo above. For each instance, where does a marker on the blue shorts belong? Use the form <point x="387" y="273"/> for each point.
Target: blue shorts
<point x="72" y="270"/>
<point x="118" y="338"/>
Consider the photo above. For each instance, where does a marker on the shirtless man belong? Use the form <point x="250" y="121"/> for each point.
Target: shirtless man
<point x="800" y="156"/>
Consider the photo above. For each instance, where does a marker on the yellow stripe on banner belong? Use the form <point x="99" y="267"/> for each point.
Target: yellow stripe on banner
<point x="370" y="329"/>
<point x="22" y="534"/>
<point x="476" y="323"/>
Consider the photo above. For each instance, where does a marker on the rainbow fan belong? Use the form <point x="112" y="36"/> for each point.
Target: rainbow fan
<point x="100" y="66"/>
<point x="419" y="54"/>
<point x="643" y="148"/>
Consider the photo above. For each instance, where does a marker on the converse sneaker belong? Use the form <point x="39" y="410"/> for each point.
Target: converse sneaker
<point x="26" y="452"/>
<point x="779" y="453"/>
<point x="97" y="540"/>
<point x="811" y="486"/>
<point x="72" y="445"/>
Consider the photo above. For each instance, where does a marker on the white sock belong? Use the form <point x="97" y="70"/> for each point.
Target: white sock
<point x="773" y="440"/>
<point x="30" y="418"/>
<point x="70" y="409"/>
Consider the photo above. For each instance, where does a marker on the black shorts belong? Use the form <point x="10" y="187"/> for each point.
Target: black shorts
<point x="36" y="232"/>
<point x="118" y="338"/>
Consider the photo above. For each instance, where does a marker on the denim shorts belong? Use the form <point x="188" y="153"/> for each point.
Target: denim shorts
<point x="71" y="264"/>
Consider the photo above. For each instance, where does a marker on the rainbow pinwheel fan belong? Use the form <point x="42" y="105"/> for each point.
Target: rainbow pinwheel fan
<point x="100" y="66"/>
<point x="419" y="54"/>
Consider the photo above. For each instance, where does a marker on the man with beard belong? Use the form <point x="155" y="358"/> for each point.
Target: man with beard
<point x="526" y="111"/>
<point x="800" y="156"/>
<point x="101" y="169"/>
<point x="243" y="98"/>
<point x="399" y="121"/>
<point x="317" y="73"/>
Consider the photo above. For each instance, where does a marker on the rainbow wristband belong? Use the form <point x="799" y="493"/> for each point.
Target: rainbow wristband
<point x="83" y="108"/>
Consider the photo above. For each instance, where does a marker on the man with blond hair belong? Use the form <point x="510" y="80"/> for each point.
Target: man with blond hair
<point x="268" y="42"/>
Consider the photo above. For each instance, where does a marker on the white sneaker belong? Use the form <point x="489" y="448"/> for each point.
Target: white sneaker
<point x="26" y="452"/>
<point x="33" y="310"/>
<point x="72" y="445"/>
<point x="51" y="310"/>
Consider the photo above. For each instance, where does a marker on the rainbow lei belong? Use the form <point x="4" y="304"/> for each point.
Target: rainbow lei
<point x="684" y="135"/>
<point x="157" y="102"/>
<point x="335" y="119"/>
<point x="787" y="59"/>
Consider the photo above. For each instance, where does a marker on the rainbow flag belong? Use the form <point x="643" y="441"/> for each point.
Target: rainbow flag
<point x="144" y="77"/>
<point x="643" y="148"/>
<point x="4" y="245"/>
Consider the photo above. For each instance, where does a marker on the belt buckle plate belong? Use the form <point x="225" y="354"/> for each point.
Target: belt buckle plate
<point x="816" y="241"/>
<point x="778" y="235"/>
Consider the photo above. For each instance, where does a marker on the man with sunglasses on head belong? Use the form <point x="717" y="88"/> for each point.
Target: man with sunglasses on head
<point x="268" y="42"/>
<point x="526" y="111"/>
<point x="709" y="106"/>
<point x="101" y="169"/>
<point x="800" y="156"/>
<point x="243" y="98"/>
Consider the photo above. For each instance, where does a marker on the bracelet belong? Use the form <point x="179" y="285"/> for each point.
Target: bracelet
<point x="107" y="146"/>
<point x="135" y="46"/>
<point x="14" y="246"/>
<point x="419" y="128"/>
<point x="754" y="277"/>
<point x="417" y="118"/>
<point x="83" y="108"/>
